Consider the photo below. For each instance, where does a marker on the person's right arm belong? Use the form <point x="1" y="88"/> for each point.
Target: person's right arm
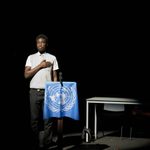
<point x="28" y="72"/>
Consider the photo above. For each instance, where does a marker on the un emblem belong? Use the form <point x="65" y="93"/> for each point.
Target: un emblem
<point x="60" y="98"/>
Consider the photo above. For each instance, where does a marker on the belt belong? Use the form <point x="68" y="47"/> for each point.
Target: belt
<point x="39" y="90"/>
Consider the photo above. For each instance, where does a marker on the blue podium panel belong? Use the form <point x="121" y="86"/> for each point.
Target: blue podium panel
<point x="61" y="101"/>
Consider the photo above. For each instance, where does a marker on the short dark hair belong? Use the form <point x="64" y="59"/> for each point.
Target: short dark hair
<point x="43" y="36"/>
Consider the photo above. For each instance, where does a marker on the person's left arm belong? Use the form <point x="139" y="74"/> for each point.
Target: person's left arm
<point x="55" y="77"/>
<point x="55" y="69"/>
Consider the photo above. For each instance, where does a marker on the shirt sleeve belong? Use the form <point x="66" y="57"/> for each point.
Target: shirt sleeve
<point x="28" y="61"/>
<point x="55" y="64"/>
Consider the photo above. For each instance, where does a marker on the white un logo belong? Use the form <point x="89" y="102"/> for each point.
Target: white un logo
<point x="60" y="98"/>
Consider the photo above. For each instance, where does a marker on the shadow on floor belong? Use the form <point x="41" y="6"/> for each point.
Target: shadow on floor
<point x="109" y="142"/>
<point x="75" y="142"/>
<point x="90" y="147"/>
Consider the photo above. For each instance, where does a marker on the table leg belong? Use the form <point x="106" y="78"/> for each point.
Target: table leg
<point x="87" y="120"/>
<point x="95" y="121"/>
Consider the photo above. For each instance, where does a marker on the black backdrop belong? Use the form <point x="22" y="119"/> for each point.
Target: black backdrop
<point x="105" y="52"/>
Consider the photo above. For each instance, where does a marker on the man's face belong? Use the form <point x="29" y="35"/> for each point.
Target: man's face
<point x="41" y="45"/>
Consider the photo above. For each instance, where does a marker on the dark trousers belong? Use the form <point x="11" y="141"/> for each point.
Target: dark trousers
<point x="37" y="122"/>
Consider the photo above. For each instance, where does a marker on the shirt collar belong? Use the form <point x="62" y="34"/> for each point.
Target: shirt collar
<point x="40" y="53"/>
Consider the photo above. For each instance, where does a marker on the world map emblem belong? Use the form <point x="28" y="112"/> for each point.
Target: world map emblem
<point x="60" y="98"/>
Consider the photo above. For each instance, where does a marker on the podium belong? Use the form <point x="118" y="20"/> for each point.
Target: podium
<point x="61" y="100"/>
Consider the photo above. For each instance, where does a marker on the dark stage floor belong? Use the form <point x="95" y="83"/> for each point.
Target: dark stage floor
<point x="111" y="141"/>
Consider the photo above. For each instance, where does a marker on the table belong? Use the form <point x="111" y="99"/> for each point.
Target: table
<point x="104" y="100"/>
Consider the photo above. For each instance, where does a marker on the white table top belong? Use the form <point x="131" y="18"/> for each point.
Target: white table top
<point x="112" y="100"/>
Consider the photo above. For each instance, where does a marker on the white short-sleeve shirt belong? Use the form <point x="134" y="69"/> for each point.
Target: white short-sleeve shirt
<point x="43" y="75"/>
